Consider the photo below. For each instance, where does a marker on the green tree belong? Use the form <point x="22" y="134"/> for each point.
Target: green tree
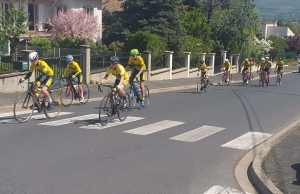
<point x="209" y="6"/>
<point x="290" y="25"/>
<point x="156" y="16"/>
<point x="279" y="45"/>
<point x="13" y="23"/>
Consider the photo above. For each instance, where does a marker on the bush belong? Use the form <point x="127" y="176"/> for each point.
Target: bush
<point x="40" y="42"/>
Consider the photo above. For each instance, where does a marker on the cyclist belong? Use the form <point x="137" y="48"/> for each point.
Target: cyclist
<point x="122" y="77"/>
<point x="76" y="73"/>
<point x="247" y="65"/>
<point x="138" y="71"/>
<point x="279" y="66"/>
<point x="250" y="71"/>
<point x="226" y="67"/>
<point x="268" y="65"/>
<point x="202" y="67"/>
<point x="261" y="67"/>
<point x="40" y="65"/>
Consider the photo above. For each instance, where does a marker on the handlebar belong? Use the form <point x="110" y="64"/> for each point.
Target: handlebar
<point x="136" y="81"/>
<point x="109" y="86"/>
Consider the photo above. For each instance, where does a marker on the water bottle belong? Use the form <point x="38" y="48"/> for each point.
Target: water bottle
<point x="138" y="91"/>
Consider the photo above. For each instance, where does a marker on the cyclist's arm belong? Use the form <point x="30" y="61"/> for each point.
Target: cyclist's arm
<point x="104" y="78"/>
<point x="66" y="70"/>
<point x="28" y="75"/>
<point x="141" y="70"/>
<point x="77" y="69"/>
<point x="121" y="80"/>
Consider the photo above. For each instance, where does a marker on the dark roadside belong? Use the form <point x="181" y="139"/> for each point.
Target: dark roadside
<point x="282" y="163"/>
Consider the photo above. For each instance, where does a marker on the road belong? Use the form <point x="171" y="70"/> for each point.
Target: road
<point x="183" y="142"/>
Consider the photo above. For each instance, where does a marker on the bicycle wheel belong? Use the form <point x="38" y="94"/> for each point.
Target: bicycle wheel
<point x="131" y="98"/>
<point x="146" y="96"/>
<point x="204" y="84"/>
<point x="23" y="107"/>
<point x="56" y="104"/>
<point x="86" y="93"/>
<point x="122" y="109"/>
<point x="199" y="87"/>
<point x="67" y="97"/>
<point x="105" y="110"/>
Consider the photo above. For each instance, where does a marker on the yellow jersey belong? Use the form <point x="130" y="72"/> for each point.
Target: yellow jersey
<point x="138" y="62"/>
<point x="43" y="67"/>
<point x="202" y="67"/>
<point x="268" y="64"/>
<point x="280" y="63"/>
<point x="261" y="64"/>
<point x="226" y="65"/>
<point x="73" y="65"/>
<point x="119" y="71"/>
<point x="246" y="65"/>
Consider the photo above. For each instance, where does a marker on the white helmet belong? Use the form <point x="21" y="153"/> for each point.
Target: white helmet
<point x="267" y="58"/>
<point x="262" y="59"/>
<point x="33" y="56"/>
<point x="226" y="60"/>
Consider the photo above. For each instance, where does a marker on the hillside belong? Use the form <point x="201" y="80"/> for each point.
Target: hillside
<point x="278" y="5"/>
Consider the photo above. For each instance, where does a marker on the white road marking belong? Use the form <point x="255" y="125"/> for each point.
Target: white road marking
<point x="112" y="123"/>
<point x="197" y="134"/>
<point x="247" y="141"/>
<point x="35" y="116"/>
<point x="70" y="120"/>
<point x="223" y="190"/>
<point x="155" y="127"/>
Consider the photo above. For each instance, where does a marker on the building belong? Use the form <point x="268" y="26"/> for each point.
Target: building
<point x="272" y="29"/>
<point x="40" y="10"/>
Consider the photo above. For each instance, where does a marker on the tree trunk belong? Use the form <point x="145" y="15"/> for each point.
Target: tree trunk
<point x="14" y="42"/>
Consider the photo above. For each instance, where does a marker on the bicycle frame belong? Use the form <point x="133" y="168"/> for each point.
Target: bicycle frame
<point x="35" y="98"/>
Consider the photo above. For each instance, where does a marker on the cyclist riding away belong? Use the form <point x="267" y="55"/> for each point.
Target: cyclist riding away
<point x="279" y="66"/>
<point x="202" y="67"/>
<point x="138" y="71"/>
<point x="122" y="77"/>
<point x="247" y="65"/>
<point x="226" y="67"/>
<point x="43" y="67"/>
<point x="77" y="72"/>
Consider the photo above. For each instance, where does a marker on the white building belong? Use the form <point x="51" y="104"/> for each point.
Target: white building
<point x="40" y="10"/>
<point x="272" y="29"/>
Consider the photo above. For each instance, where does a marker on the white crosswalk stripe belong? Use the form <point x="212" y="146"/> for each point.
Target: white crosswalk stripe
<point x="197" y="134"/>
<point x="70" y="120"/>
<point x="114" y="122"/>
<point x="37" y="116"/>
<point x="223" y="190"/>
<point x="154" y="127"/>
<point x="247" y="141"/>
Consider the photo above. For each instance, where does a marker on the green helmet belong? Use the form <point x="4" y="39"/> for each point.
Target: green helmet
<point x="134" y="52"/>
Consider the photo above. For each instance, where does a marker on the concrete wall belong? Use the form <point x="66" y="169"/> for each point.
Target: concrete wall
<point x="179" y="73"/>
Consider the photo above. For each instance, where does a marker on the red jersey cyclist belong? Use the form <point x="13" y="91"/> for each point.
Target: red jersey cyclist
<point x="77" y="72"/>
<point x="138" y="71"/>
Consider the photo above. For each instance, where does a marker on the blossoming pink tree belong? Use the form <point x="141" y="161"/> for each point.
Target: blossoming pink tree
<point x="77" y="24"/>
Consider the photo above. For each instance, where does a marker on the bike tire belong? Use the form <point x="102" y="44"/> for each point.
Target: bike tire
<point x="67" y="99"/>
<point x="204" y="85"/>
<point x="132" y="98"/>
<point x="122" y="110"/>
<point x="105" y="110"/>
<point x="199" y="87"/>
<point x="56" y="104"/>
<point x="146" y="96"/>
<point x="22" y="112"/>
<point x="86" y="93"/>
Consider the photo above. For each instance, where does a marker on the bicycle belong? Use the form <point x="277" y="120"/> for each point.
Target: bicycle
<point x="226" y="79"/>
<point x="245" y="78"/>
<point x="112" y="104"/>
<point x="203" y="84"/>
<point x="70" y="91"/>
<point x="279" y="78"/>
<point x="27" y="102"/>
<point x="135" y="96"/>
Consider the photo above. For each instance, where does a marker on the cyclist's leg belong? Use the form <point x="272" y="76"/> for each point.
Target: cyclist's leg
<point x="80" y="89"/>
<point x="45" y="85"/>
<point x="142" y="84"/>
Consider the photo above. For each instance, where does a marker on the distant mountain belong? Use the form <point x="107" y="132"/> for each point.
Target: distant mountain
<point x="277" y="6"/>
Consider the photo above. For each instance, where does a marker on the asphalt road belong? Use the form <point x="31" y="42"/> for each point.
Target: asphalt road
<point x="183" y="142"/>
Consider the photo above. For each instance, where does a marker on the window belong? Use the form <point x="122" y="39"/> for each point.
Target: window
<point x="6" y="6"/>
<point x="62" y="8"/>
<point x="88" y="10"/>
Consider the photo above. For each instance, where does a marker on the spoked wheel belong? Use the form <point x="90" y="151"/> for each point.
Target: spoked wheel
<point x="86" y="93"/>
<point x="204" y="85"/>
<point x="105" y="110"/>
<point x="123" y="109"/>
<point x="199" y="87"/>
<point x="146" y="96"/>
<point x="67" y="96"/>
<point x="56" y="104"/>
<point x="131" y="98"/>
<point x="23" y="107"/>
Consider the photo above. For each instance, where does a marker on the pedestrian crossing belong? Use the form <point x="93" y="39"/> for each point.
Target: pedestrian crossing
<point x="244" y="142"/>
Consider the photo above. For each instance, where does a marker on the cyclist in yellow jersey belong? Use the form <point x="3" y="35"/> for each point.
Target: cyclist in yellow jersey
<point x="226" y="67"/>
<point x="261" y="67"/>
<point x="202" y="67"/>
<point x="279" y="66"/>
<point x="138" y="71"/>
<point x="246" y="64"/>
<point x="43" y="67"/>
<point x="76" y="73"/>
<point x="122" y="77"/>
<point x="268" y="65"/>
